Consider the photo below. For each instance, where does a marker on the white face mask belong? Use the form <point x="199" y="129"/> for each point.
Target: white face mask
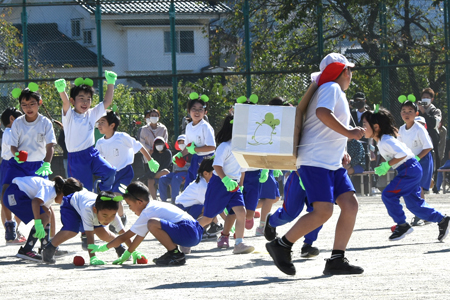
<point x="154" y="120"/>
<point x="182" y="146"/>
<point x="159" y="147"/>
<point x="426" y="101"/>
<point x="147" y="120"/>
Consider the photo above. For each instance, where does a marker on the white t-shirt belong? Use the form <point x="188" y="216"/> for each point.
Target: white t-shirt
<point x="416" y="138"/>
<point x="321" y="146"/>
<point x="391" y="148"/>
<point x="37" y="187"/>
<point x="119" y="149"/>
<point x="193" y="194"/>
<point x="79" y="128"/>
<point x="225" y="158"/>
<point x="201" y="134"/>
<point x="160" y="210"/>
<point x="6" y="144"/>
<point x="32" y="137"/>
<point x="84" y="202"/>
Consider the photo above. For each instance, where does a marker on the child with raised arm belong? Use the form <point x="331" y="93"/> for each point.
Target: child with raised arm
<point x="320" y="157"/>
<point x="29" y="198"/>
<point x="380" y="125"/>
<point x="169" y="225"/>
<point x="92" y="212"/>
<point x="31" y="133"/>
<point x="84" y="160"/>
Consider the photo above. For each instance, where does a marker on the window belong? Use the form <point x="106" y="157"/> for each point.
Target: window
<point x="87" y="37"/>
<point x="184" y="41"/>
<point x="76" y="28"/>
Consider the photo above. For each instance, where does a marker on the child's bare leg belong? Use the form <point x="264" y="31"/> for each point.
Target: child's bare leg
<point x="307" y="223"/>
<point x="229" y="222"/>
<point x="151" y="188"/>
<point x="223" y="215"/>
<point x="346" y="222"/>
<point x="204" y="221"/>
<point x="215" y="219"/>
<point x="240" y="221"/>
<point x="52" y="225"/>
<point x="120" y="211"/>
<point x="104" y="235"/>
<point x="266" y="208"/>
<point x="154" y="226"/>
<point x="5" y="210"/>
<point x="62" y="236"/>
<point x="250" y="214"/>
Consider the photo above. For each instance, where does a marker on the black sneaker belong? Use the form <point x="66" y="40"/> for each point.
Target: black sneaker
<point x="171" y="259"/>
<point x="341" y="266"/>
<point x="120" y="250"/>
<point x="48" y="254"/>
<point x="214" y="229"/>
<point x="400" y="232"/>
<point x="309" y="251"/>
<point x="281" y="257"/>
<point x="270" y="233"/>
<point x="443" y="228"/>
<point x="31" y="255"/>
<point x="84" y="243"/>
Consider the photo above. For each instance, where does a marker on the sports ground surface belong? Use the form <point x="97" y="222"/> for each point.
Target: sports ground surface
<point x="412" y="268"/>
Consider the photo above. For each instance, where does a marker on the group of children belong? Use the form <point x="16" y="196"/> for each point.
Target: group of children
<point x="215" y="183"/>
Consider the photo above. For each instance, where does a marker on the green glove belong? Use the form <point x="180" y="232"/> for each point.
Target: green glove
<point x="125" y="256"/>
<point x="191" y="148"/>
<point x="242" y="189"/>
<point x="98" y="248"/>
<point x="111" y="77"/>
<point x="417" y="157"/>
<point x="44" y="170"/>
<point x="137" y="255"/>
<point x="40" y="231"/>
<point x="301" y="183"/>
<point x="16" y="157"/>
<point x="264" y="175"/>
<point x="178" y="155"/>
<point x="153" y="165"/>
<point x="229" y="183"/>
<point x="382" y="169"/>
<point x="97" y="262"/>
<point x="277" y="173"/>
<point x="60" y="85"/>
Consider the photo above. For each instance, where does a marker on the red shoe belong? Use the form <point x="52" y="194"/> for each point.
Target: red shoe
<point x="257" y="214"/>
<point x="249" y="224"/>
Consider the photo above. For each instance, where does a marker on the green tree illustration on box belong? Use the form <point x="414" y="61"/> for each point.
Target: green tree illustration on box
<point x="269" y="120"/>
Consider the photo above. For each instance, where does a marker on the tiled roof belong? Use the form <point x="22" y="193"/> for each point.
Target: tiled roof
<point x="48" y="46"/>
<point x="155" y="7"/>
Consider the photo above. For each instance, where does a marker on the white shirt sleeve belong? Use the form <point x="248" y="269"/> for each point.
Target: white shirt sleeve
<point x="208" y="134"/>
<point x="97" y="112"/>
<point x="132" y="143"/>
<point x="50" y="137"/>
<point x="424" y="138"/>
<point x="327" y="97"/>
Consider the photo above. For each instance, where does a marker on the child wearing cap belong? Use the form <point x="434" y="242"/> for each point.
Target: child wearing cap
<point x="321" y="154"/>
<point x="178" y="174"/>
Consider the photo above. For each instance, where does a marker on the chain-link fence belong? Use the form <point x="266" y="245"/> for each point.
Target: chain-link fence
<point x="163" y="50"/>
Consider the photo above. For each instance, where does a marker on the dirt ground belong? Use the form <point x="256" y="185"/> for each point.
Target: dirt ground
<point x="412" y="268"/>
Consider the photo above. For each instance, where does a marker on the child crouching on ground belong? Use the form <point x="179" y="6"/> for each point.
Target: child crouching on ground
<point x="169" y="225"/>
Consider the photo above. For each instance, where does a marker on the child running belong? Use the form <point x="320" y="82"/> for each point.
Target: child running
<point x="321" y="154"/>
<point x="29" y="198"/>
<point x="380" y="126"/>
<point x="92" y="213"/>
<point x="223" y="191"/>
<point x="199" y="136"/>
<point x="169" y="225"/>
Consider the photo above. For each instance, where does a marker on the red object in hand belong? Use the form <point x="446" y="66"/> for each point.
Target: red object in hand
<point x="142" y="261"/>
<point x="180" y="162"/>
<point x="78" y="261"/>
<point x="138" y="122"/>
<point x="23" y="155"/>
<point x="235" y="190"/>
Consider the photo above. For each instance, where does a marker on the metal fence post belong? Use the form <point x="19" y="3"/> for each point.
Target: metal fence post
<point x="246" y="10"/>
<point x="98" y="23"/>
<point x="174" y="67"/>
<point x="24" y="17"/>
<point x="319" y="30"/>
<point x="383" y="58"/>
<point x="447" y="66"/>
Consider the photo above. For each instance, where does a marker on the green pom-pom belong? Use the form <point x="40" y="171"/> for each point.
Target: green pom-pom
<point x="79" y="81"/>
<point x="33" y="86"/>
<point x="89" y="82"/>
<point x="412" y="98"/>
<point x="402" y="98"/>
<point x="16" y="92"/>
<point x="193" y="96"/>
<point x="253" y="99"/>
<point x="241" y="99"/>
<point x="204" y="98"/>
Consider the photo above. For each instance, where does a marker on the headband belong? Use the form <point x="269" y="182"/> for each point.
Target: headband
<point x="253" y="99"/>
<point x="194" y="96"/>
<point x="33" y="87"/>
<point x="80" y="81"/>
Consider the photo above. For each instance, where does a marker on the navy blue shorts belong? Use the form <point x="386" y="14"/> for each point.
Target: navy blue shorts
<point x="3" y="170"/>
<point x="251" y="189"/>
<point x="217" y="198"/>
<point x="70" y="218"/>
<point x="323" y="185"/>
<point x="123" y="176"/>
<point x="21" y="170"/>
<point x="427" y="171"/>
<point x="19" y="203"/>
<point x="194" y="210"/>
<point x="185" y="233"/>
<point x="269" y="189"/>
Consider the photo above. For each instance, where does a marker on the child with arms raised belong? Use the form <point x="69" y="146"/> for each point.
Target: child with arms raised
<point x="169" y="225"/>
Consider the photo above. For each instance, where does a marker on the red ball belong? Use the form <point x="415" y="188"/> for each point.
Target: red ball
<point x="235" y="190"/>
<point x="78" y="261"/>
<point x="393" y="228"/>
<point x="180" y="162"/>
<point x="23" y="155"/>
<point x="142" y="261"/>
